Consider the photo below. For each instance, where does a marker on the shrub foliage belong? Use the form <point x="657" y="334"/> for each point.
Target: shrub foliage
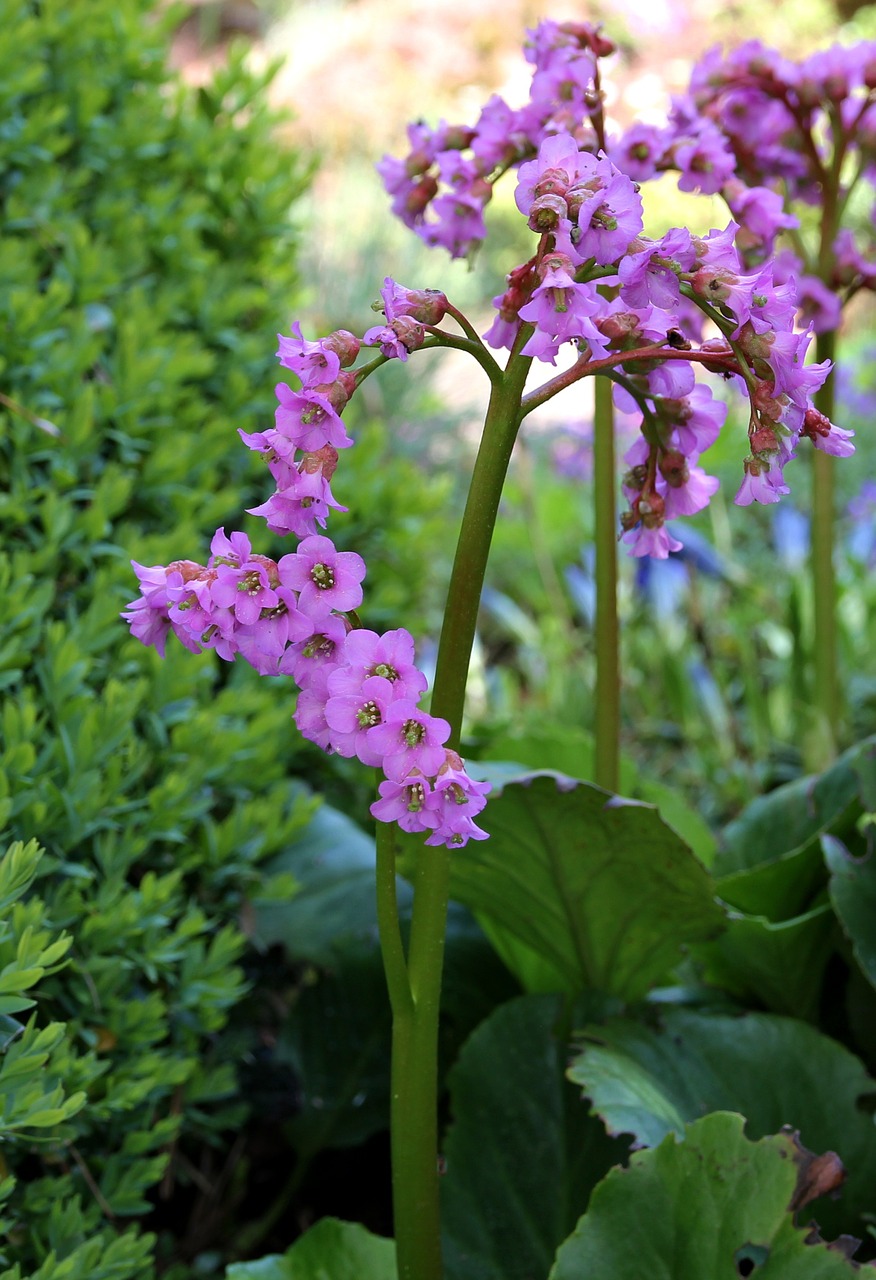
<point x="146" y="260"/>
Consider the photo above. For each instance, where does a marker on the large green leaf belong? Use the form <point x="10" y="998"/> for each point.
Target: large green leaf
<point x="779" y="964"/>
<point x="598" y="886"/>
<point x="522" y="1153"/>
<point x="777" y="890"/>
<point x="853" y="894"/>
<point x="332" y="1250"/>
<point x="570" y="750"/>
<point x="336" y="1039"/>
<point x="776" y="1071"/>
<point x="694" y="1210"/>
<point x="337" y="1036"/>
<point x="769" y="861"/>
<point x="333" y="863"/>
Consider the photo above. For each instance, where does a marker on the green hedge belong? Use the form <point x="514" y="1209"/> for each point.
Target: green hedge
<point x="146" y="263"/>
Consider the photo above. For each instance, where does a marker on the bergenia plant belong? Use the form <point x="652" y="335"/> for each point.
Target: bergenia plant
<point x="656" y="323"/>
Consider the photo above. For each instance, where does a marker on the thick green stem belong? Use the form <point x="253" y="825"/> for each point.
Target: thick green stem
<point x="827" y="699"/>
<point x="606" y="772"/>
<point x="415" y="1030"/>
<point x="391" y="945"/>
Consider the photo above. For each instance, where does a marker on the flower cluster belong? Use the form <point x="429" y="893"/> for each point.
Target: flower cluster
<point x="638" y="305"/>
<point x="442" y="186"/>
<point x="768" y="133"/>
<point x="359" y="691"/>
<point x="301" y="449"/>
<point x="756" y="128"/>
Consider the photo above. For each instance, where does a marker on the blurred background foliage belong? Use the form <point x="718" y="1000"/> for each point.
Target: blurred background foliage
<point x="175" y="1102"/>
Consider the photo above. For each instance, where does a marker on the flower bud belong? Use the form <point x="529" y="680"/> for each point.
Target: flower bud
<point x="673" y="468"/>
<point x="324" y="460"/>
<point x="455" y="137"/>
<point x="815" y="424"/>
<point x="429" y="306"/>
<point x="189" y="569"/>
<point x="409" y="331"/>
<point x="335" y="392"/>
<point x="349" y="381"/>
<point x="417" y="162"/>
<point x="635" y="478"/>
<point x="578" y="195"/>
<point x="417" y="199"/>
<point x="763" y="441"/>
<point x="650" y="507"/>
<point x="344" y="344"/>
<point x="546" y="213"/>
<point x="589" y="37"/>
<point x="553" y="182"/>
<point x="555" y="262"/>
<point x="718" y="347"/>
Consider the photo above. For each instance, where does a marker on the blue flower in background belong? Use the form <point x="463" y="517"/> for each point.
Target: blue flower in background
<point x="664" y="583"/>
<point x="862" y="512"/>
<point x="791" y="536"/>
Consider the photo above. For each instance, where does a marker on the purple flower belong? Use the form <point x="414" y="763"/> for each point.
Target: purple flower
<point x="244" y="591"/>
<point x="705" y="160"/>
<point x="354" y="709"/>
<point x="405" y="802"/>
<point x="561" y="310"/>
<point x="686" y="490"/>
<point x="826" y="436"/>
<point x="308" y="419"/>
<point x="312" y="361"/>
<point x="324" y="577"/>
<point x="697" y="420"/>
<point x="655" y="541"/>
<point x="639" y="152"/>
<point x="390" y="656"/>
<point x="650" y="277"/>
<point x="428" y="306"/>
<point x="608" y="217"/>
<point x="460" y="226"/>
<point x="820" y="308"/>
<point x="761" y="214"/>
<point x="321" y="650"/>
<point x="410" y="739"/>
<point x="310" y="708"/>
<point x="763" y="481"/>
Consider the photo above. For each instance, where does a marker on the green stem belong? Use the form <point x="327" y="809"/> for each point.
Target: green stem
<point x="415" y="1030"/>
<point x="827" y="687"/>
<point x="391" y="945"/>
<point x="606" y="772"/>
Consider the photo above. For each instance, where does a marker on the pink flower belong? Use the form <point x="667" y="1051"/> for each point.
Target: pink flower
<point x="655" y="542"/>
<point x="310" y="710"/>
<point x="390" y="655"/>
<point x="324" y="577"/>
<point x="308" y="420"/>
<point x="312" y="361"/>
<point x="410" y="739"/>
<point x="322" y="649"/>
<point x="406" y="803"/>
<point x="353" y="712"/>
